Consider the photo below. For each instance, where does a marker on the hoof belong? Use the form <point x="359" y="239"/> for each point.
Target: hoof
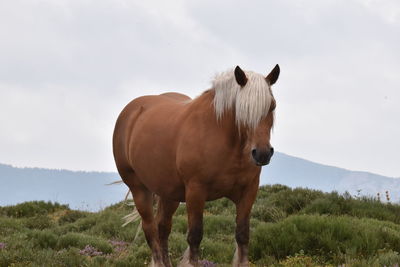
<point x="185" y="262"/>
<point x="241" y="264"/>
<point x="236" y="263"/>
<point x="154" y="264"/>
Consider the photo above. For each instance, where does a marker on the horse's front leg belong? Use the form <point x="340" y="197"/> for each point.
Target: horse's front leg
<point x="243" y="209"/>
<point x="195" y="205"/>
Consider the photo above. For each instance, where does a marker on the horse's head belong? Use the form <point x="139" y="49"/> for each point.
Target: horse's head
<point x="249" y="96"/>
<point x="259" y="133"/>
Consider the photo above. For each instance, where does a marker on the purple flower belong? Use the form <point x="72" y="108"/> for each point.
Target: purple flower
<point x="117" y="243"/>
<point x="119" y="246"/>
<point x="90" y="251"/>
<point x="206" y="263"/>
<point x="2" y="245"/>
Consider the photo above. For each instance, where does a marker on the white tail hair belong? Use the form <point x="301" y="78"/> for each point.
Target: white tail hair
<point x="134" y="215"/>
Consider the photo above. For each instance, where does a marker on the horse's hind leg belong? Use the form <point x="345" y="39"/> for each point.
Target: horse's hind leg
<point x="165" y="210"/>
<point x="143" y="199"/>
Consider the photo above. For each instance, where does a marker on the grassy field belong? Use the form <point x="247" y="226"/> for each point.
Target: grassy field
<point x="289" y="227"/>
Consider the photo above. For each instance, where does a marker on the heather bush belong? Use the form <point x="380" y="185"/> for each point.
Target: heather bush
<point x="221" y="206"/>
<point x="276" y="202"/>
<point x="336" y="204"/>
<point x="219" y="225"/>
<point x="31" y="208"/>
<point x="79" y="240"/>
<point x="324" y="236"/>
<point x="41" y="222"/>
<point x="8" y="226"/>
<point x="71" y="216"/>
<point x="179" y="224"/>
<point x="293" y="200"/>
<point x="43" y="239"/>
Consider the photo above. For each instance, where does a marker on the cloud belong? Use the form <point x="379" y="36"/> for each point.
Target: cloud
<point x="69" y="67"/>
<point x="387" y="10"/>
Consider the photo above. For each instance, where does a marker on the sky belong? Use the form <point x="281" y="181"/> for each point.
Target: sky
<point x="68" y="67"/>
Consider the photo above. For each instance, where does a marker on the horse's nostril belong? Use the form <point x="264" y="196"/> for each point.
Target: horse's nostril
<point x="271" y="151"/>
<point x="254" y="153"/>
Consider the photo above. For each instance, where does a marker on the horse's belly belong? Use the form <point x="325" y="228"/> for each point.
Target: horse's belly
<point x="156" y="170"/>
<point x="153" y="154"/>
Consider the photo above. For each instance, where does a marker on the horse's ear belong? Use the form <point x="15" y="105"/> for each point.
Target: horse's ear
<point x="273" y="76"/>
<point x="240" y="76"/>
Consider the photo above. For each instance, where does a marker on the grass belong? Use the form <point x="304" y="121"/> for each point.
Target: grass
<point x="289" y="227"/>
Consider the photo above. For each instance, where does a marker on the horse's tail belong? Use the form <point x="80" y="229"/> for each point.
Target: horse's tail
<point x="134" y="216"/>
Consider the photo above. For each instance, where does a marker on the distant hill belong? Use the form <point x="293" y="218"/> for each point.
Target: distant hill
<point x="81" y="190"/>
<point x="297" y="172"/>
<point x="88" y="190"/>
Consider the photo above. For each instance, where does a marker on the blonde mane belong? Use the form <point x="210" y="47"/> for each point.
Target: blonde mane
<point x="250" y="103"/>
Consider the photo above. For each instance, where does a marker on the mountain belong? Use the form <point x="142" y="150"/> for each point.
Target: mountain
<point x="81" y="190"/>
<point x="297" y="172"/>
<point x="88" y="190"/>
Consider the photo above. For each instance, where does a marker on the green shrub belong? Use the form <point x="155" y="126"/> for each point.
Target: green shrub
<point x="268" y="213"/>
<point x="39" y="222"/>
<point x="298" y="260"/>
<point x="177" y="246"/>
<point x="388" y="258"/>
<point x="217" y="251"/>
<point x="179" y="224"/>
<point x="86" y="223"/>
<point x="219" y="225"/>
<point x="181" y="210"/>
<point x="221" y="206"/>
<point x="8" y="226"/>
<point x="141" y="255"/>
<point x="71" y="216"/>
<point x="79" y="240"/>
<point x="336" y="204"/>
<point x="68" y="258"/>
<point x="293" y="200"/>
<point x="21" y="257"/>
<point x="323" y="236"/>
<point x="43" y="239"/>
<point x="31" y="208"/>
<point x="276" y="202"/>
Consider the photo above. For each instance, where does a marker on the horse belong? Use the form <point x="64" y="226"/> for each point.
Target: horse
<point x="196" y="150"/>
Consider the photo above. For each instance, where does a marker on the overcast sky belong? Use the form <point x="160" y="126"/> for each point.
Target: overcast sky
<point x="67" y="68"/>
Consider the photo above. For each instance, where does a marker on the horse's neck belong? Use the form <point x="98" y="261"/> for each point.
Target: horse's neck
<point x="205" y="104"/>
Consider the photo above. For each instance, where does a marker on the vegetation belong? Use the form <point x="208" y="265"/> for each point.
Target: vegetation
<point x="289" y="227"/>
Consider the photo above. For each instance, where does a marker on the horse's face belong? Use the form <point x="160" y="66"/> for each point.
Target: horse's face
<point x="258" y="138"/>
<point x="261" y="150"/>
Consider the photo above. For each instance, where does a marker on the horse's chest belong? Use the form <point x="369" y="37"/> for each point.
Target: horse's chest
<point x="229" y="183"/>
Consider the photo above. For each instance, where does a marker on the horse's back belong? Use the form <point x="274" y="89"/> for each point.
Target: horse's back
<point x="146" y="124"/>
<point x="177" y="96"/>
<point x="147" y="108"/>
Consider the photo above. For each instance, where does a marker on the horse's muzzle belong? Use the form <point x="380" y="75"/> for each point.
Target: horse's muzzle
<point x="262" y="157"/>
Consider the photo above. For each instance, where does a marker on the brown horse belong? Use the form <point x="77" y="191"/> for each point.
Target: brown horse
<point x="195" y="151"/>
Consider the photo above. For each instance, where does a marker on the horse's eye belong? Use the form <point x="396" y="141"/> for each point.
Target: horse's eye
<point x="273" y="106"/>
